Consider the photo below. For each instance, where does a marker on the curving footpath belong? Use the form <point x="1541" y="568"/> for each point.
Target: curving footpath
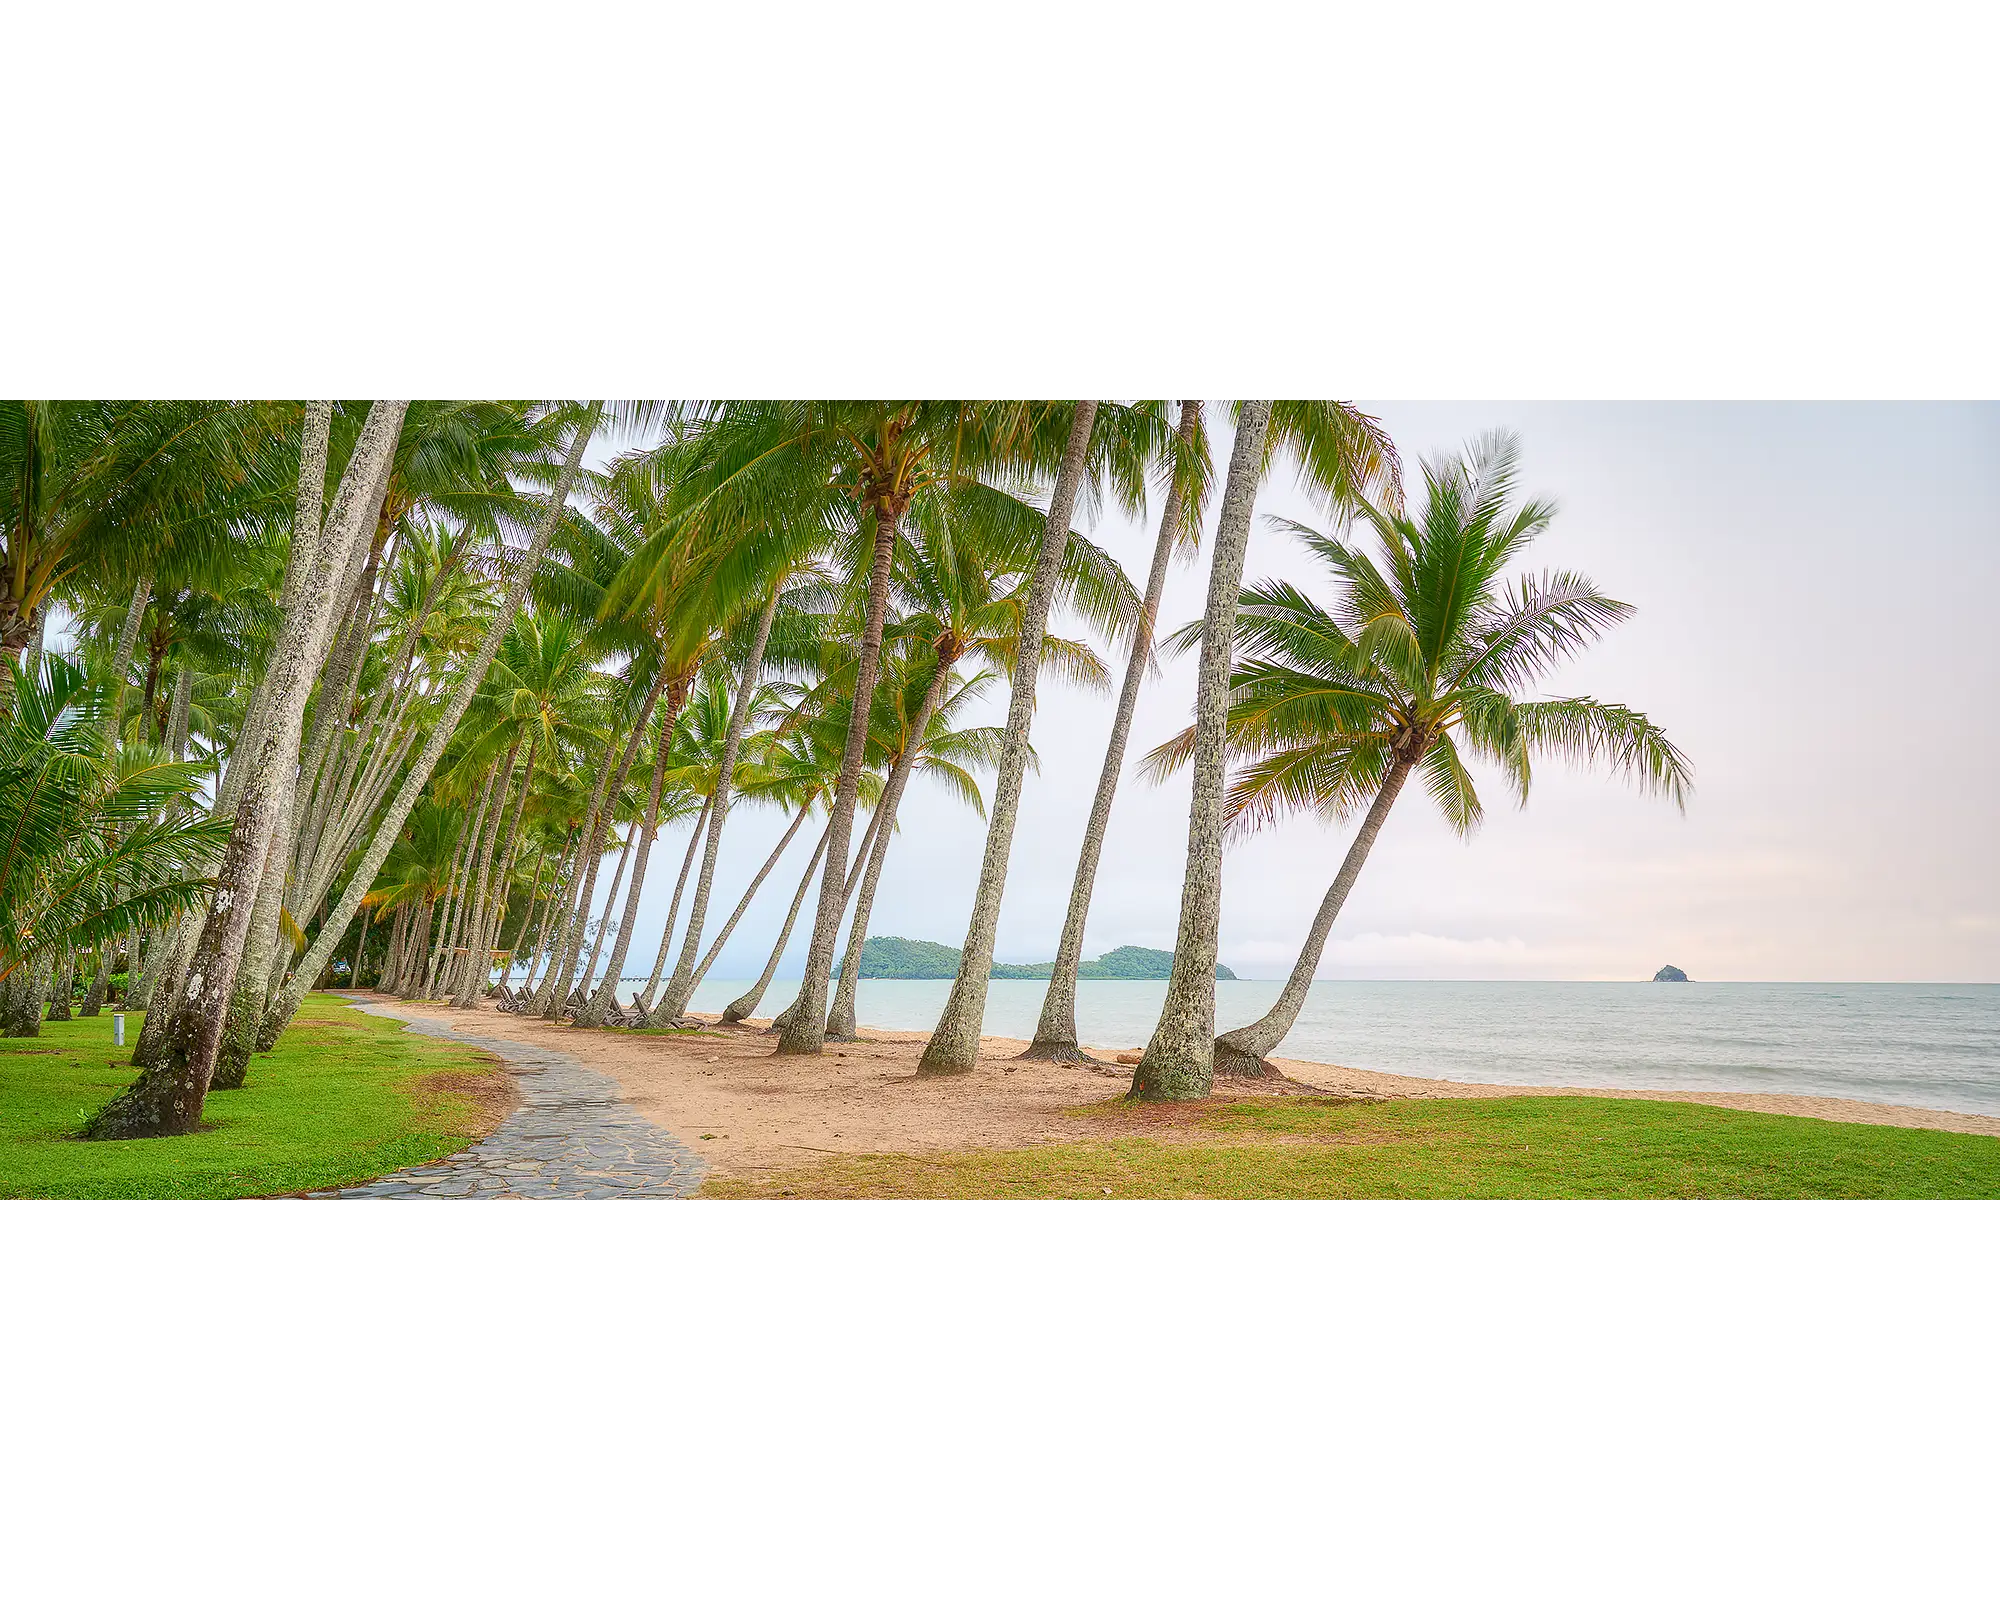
<point x="574" y="1139"/>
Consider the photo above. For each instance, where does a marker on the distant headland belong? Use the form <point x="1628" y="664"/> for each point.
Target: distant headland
<point x="889" y="957"/>
<point x="1671" y="975"/>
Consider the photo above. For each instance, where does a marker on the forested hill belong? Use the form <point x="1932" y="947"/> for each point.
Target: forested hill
<point x="890" y="957"/>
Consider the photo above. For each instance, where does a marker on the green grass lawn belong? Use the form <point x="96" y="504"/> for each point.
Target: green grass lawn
<point x="344" y="1097"/>
<point x="1529" y="1147"/>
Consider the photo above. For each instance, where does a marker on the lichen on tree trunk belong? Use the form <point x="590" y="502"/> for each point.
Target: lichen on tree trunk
<point x="1179" y="1059"/>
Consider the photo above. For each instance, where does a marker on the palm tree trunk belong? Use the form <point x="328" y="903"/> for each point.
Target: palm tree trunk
<point x="559" y="893"/>
<point x="749" y="894"/>
<point x="682" y="984"/>
<point x="478" y="882"/>
<point x="600" y="1001"/>
<point x="1242" y="1053"/>
<point x="869" y="835"/>
<point x="168" y="1096"/>
<point x="840" y="1020"/>
<point x="744" y="1004"/>
<point x="21" y="1000"/>
<point x="426" y="965"/>
<point x="334" y="926"/>
<point x="246" y="1006"/>
<point x="645" y="1001"/>
<point x="413" y="952"/>
<point x="568" y="926"/>
<point x="59" y="992"/>
<point x="128" y="643"/>
<point x="399" y="925"/>
<point x="1055" y="1034"/>
<point x="100" y="979"/>
<point x="805" y="1033"/>
<point x="493" y="903"/>
<point x="1179" y="1060"/>
<point x="589" y="969"/>
<point x="527" y="912"/>
<point x="471" y="966"/>
<point x="461" y="889"/>
<point x="611" y="786"/>
<point x="954" y="1042"/>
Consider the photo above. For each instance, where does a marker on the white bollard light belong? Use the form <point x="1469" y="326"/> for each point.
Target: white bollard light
<point x="118" y="1027"/>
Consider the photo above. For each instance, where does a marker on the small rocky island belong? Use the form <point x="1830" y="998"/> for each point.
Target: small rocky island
<point x="1671" y="975"/>
<point x="888" y="957"/>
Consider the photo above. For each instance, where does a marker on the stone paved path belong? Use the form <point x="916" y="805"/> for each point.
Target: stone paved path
<point x="573" y="1140"/>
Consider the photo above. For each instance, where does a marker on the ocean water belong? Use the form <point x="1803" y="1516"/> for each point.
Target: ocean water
<point x="1916" y="1044"/>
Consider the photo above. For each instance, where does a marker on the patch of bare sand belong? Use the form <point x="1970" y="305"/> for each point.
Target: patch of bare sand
<point x="751" y="1112"/>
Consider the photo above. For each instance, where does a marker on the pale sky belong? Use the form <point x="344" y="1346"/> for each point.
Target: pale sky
<point x="1812" y="584"/>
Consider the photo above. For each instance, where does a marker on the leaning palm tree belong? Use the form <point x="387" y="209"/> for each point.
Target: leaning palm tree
<point x="1337" y="450"/>
<point x="1418" y="662"/>
<point x="186" y="1038"/>
<point x="800" y="768"/>
<point x="926" y="743"/>
<point x="1180" y="526"/>
<point x="513" y="590"/>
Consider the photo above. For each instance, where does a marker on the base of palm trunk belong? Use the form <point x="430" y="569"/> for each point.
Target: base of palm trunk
<point x="943" y="1069"/>
<point x="232" y="1064"/>
<point x="1234" y="1063"/>
<point x="782" y="1021"/>
<point x="1168" y="1086"/>
<point x="1063" y="1050"/>
<point x="161" y="1104"/>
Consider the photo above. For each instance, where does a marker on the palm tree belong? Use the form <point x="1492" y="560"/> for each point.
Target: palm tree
<point x="1421" y="653"/>
<point x="545" y="692"/>
<point x="1180" y="525"/>
<point x="333" y="927"/>
<point x="690" y="587"/>
<point x="84" y="853"/>
<point x="1178" y="1062"/>
<point x="174" y="1080"/>
<point x="1338" y="450"/>
<point x="954" y="1042"/>
<point x="454" y="469"/>
<point x="861" y="463"/>
<point x="799" y="768"/>
<point x="704" y="755"/>
<point x="95" y="487"/>
<point x="963" y="583"/>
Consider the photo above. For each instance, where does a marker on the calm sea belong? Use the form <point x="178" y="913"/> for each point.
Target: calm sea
<point x="1917" y="1044"/>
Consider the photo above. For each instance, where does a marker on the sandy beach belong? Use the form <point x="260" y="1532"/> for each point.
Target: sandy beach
<point x="751" y="1113"/>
